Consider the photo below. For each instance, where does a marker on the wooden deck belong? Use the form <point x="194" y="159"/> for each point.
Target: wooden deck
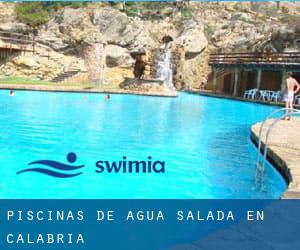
<point x="12" y="43"/>
<point x="290" y="60"/>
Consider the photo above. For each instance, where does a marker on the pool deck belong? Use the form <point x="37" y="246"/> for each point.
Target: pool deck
<point x="283" y="151"/>
<point x="80" y="89"/>
<point x="227" y="96"/>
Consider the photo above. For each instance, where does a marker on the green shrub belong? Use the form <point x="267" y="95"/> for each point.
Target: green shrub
<point x="38" y="13"/>
<point x="284" y="10"/>
<point x="54" y="6"/>
<point x="225" y="27"/>
<point x="132" y="12"/>
<point x="32" y="14"/>
<point x="290" y="19"/>
<point x="148" y="10"/>
<point x="187" y="13"/>
<point x="208" y="31"/>
<point x="238" y="7"/>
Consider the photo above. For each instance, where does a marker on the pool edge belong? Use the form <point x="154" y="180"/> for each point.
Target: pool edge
<point x="61" y="89"/>
<point x="281" y="164"/>
<point x="233" y="98"/>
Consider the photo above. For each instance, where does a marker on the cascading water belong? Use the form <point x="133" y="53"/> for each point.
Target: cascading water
<point x="165" y="71"/>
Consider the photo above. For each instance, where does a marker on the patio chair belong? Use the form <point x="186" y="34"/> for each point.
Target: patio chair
<point x="275" y="96"/>
<point x="297" y="99"/>
<point x="253" y="94"/>
<point x="246" y="94"/>
<point x="250" y="94"/>
<point x="264" y="95"/>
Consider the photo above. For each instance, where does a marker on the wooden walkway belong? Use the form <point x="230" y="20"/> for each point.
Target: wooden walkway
<point x="12" y="43"/>
<point x="256" y="60"/>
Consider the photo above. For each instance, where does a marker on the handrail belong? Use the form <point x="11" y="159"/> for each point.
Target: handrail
<point x="254" y="53"/>
<point x="13" y="33"/>
<point x="270" y="59"/>
<point x="269" y="131"/>
<point x="255" y="57"/>
<point x="292" y="112"/>
<point x="17" y="41"/>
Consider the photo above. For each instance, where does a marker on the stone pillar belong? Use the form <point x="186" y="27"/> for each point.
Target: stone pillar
<point x="236" y="81"/>
<point x="283" y="79"/>
<point x="94" y="58"/>
<point x="214" y="82"/>
<point x="258" y="78"/>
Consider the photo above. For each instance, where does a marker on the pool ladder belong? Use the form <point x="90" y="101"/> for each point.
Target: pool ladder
<point x="260" y="165"/>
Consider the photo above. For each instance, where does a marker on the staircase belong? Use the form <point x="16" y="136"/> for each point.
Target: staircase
<point x="65" y="75"/>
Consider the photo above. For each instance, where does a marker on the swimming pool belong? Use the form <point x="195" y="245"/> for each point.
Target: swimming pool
<point x="204" y="142"/>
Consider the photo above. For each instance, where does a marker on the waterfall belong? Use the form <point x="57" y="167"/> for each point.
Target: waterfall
<point x="165" y="71"/>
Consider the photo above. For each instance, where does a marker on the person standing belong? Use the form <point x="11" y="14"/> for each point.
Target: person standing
<point x="292" y="88"/>
<point x="203" y="83"/>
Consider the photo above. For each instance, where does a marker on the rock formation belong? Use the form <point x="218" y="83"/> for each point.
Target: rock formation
<point x="131" y="41"/>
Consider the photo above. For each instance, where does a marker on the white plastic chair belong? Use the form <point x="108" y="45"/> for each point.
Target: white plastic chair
<point x="297" y="99"/>
<point x="275" y="96"/>
<point x="246" y="94"/>
<point x="263" y="95"/>
<point x="253" y="93"/>
<point x="250" y="94"/>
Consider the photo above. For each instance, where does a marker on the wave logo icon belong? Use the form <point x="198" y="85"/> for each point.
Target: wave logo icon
<point x="55" y="168"/>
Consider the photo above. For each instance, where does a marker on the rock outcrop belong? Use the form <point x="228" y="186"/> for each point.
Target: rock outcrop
<point x="130" y="42"/>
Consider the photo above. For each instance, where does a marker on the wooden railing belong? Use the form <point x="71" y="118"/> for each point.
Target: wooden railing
<point x="16" y="41"/>
<point x="255" y="58"/>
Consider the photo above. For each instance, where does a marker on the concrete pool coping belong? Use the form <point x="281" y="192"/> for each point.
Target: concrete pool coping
<point x="283" y="152"/>
<point x="230" y="97"/>
<point x="78" y="89"/>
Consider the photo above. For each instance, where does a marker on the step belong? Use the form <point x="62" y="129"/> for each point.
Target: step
<point x="65" y="75"/>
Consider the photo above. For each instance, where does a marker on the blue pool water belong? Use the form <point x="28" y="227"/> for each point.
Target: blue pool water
<point x="204" y="142"/>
